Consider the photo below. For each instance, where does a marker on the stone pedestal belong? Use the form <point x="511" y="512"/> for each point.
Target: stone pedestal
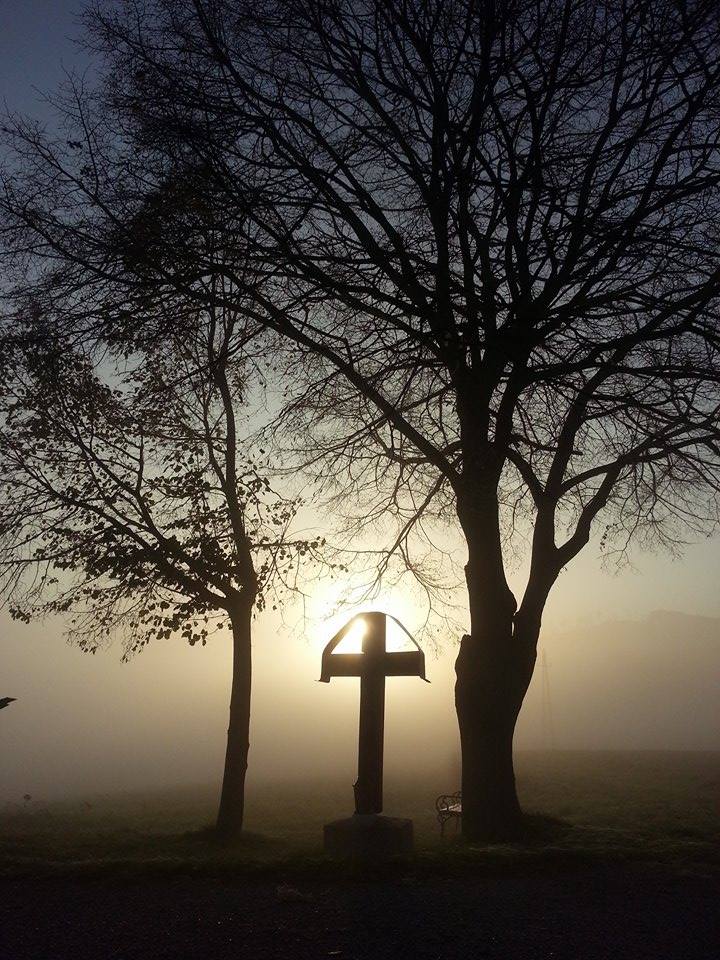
<point x="368" y="837"/>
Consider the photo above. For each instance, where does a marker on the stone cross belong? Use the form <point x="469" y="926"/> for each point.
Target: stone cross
<point x="372" y="666"/>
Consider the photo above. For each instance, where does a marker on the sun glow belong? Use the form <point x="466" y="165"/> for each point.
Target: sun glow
<point x="352" y="641"/>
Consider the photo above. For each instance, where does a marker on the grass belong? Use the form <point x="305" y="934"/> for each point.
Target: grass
<point x="660" y="808"/>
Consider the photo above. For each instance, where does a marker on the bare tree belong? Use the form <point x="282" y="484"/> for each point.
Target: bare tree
<point x="131" y="503"/>
<point x="490" y="232"/>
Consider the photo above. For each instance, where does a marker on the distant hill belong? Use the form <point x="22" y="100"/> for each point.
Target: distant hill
<point x="632" y="684"/>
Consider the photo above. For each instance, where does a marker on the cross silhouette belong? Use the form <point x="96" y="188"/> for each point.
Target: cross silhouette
<point x="372" y="666"/>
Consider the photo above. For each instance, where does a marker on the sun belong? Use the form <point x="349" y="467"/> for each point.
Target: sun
<point x="352" y="641"/>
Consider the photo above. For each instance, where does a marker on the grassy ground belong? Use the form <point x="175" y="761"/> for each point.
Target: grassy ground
<point x="661" y="808"/>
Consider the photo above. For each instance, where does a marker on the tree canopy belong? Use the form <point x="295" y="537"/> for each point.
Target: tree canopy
<point x="131" y="495"/>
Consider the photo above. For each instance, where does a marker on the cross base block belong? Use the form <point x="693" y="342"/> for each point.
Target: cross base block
<point x="369" y="836"/>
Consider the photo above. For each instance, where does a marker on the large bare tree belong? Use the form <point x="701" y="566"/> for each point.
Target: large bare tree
<point x="490" y="232"/>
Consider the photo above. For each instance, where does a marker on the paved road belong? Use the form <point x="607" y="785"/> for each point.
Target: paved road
<point x="579" y="914"/>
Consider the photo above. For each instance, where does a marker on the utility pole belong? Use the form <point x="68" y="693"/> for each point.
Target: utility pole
<point x="547" y="726"/>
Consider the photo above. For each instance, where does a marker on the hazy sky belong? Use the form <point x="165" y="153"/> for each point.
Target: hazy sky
<point x="84" y="724"/>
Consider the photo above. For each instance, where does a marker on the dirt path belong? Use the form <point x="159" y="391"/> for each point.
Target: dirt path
<point x="579" y="914"/>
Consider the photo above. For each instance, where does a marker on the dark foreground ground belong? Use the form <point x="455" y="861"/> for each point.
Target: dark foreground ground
<point x="625" y="864"/>
<point x="580" y="914"/>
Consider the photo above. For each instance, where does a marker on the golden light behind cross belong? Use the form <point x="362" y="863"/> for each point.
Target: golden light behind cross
<point x="352" y="641"/>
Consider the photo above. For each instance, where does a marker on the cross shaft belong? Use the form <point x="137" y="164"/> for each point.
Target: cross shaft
<point x="372" y="666"/>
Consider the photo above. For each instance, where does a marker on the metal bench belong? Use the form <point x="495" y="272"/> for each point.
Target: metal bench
<point x="449" y="807"/>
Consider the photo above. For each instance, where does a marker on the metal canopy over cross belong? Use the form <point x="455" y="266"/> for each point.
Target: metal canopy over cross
<point x="372" y="666"/>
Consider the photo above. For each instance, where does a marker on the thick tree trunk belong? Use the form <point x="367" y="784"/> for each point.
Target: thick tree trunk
<point x="493" y="671"/>
<point x="232" y="799"/>
<point x="493" y="674"/>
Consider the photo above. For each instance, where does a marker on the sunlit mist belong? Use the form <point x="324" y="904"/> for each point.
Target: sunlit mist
<point x="352" y="641"/>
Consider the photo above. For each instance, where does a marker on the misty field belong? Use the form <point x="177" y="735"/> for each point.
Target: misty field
<point x="651" y="807"/>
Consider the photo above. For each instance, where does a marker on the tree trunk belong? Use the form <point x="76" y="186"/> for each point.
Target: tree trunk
<point x="493" y="670"/>
<point x="232" y="799"/>
<point x="493" y="674"/>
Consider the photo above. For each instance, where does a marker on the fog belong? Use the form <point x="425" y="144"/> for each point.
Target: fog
<point x="625" y="670"/>
<point x="86" y="725"/>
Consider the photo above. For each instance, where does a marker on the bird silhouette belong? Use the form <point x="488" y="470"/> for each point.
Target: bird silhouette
<point x="4" y="701"/>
